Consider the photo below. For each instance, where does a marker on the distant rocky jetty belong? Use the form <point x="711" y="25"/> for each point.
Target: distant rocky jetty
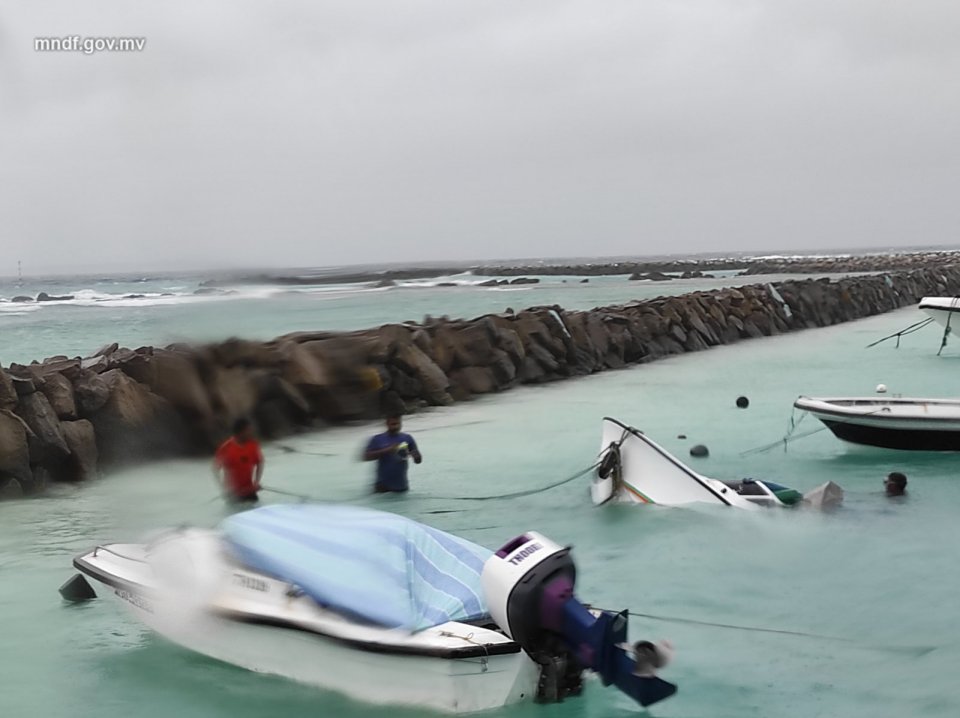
<point x="654" y="270"/>
<point x="852" y="264"/>
<point x="64" y="418"/>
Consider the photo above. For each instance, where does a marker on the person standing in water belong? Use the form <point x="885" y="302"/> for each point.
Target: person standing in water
<point x="392" y="451"/>
<point x="238" y="464"/>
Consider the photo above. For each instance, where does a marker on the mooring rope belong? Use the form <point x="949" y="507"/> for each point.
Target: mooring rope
<point x="288" y="449"/>
<point x="518" y="494"/>
<point x="912" y="650"/>
<point x="512" y="495"/>
<point x="790" y="436"/>
<point x="946" y="329"/>
<point x="904" y="332"/>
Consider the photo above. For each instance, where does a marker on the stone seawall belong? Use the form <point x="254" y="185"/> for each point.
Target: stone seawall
<point x="64" y="419"/>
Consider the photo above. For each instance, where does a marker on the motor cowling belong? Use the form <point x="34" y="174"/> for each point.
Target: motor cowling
<point x="529" y="587"/>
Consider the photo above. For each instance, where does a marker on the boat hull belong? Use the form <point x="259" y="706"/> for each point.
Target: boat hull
<point x="650" y="475"/>
<point x="902" y="439"/>
<point x="894" y="423"/>
<point x="449" y="686"/>
<point x="387" y="672"/>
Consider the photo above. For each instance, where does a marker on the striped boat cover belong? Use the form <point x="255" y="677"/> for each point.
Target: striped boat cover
<point x="371" y="565"/>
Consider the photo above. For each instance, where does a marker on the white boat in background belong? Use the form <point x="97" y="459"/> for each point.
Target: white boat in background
<point x="942" y="309"/>
<point x="408" y="616"/>
<point x="634" y="469"/>
<point x="890" y="422"/>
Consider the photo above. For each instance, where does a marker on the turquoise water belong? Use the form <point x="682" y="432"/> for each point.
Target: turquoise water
<point x="880" y="575"/>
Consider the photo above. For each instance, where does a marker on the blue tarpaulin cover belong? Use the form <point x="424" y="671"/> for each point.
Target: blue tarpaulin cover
<point x="376" y="566"/>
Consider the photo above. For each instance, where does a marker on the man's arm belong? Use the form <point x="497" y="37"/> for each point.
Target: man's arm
<point x="372" y="454"/>
<point x="415" y="451"/>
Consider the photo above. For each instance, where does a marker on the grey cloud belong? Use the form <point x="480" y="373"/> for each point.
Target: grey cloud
<point x="332" y="132"/>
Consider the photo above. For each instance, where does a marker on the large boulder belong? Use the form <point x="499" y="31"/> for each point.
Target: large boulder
<point x="472" y="345"/>
<point x="302" y="368"/>
<point x="232" y="395"/>
<point x="14" y="451"/>
<point x="504" y="369"/>
<point x="23" y="384"/>
<point x="82" y="440"/>
<point x="385" y="341"/>
<point x="443" y="341"/>
<point x="174" y="377"/>
<point x="8" y="392"/>
<point x="90" y="391"/>
<point x="245" y="353"/>
<point x="134" y="424"/>
<point x="342" y="354"/>
<point x="404" y="385"/>
<point x="70" y="368"/>
<point x="59" y="392"/>
<point x="280" y="407"/>
<point x="472" y="380"/>
<point x="48" y="445"/>
<point x="435" y="383"/>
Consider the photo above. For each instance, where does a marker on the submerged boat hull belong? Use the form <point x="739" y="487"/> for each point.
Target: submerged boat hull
<point x="648" y="474"/>
<point x="456" y="672"/>
<point x="895" y="423"/>
<point x="634" y="469"/>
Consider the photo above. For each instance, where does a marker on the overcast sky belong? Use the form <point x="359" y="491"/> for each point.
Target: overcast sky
<point x="317" y="133"/>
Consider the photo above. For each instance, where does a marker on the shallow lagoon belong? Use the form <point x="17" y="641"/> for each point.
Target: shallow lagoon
<point x="879" y="574"/>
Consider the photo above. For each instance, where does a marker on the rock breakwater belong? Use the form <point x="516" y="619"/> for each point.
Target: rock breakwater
<point x="65" y="418"/>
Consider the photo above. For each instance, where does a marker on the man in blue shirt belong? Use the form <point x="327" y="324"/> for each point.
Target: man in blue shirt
<point x="392" y="450"/>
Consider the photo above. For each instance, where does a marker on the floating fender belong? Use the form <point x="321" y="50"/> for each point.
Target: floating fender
<point x="77" y="590"/>
<point x="610" y="462"/>
<point x="700" y="451"/>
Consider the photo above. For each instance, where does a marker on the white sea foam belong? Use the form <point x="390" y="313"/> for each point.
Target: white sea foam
<point x="12" y="309"/>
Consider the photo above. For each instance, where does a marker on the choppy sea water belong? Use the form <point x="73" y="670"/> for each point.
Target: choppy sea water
<point x="877" y="580"/>
<point x="141" y="311"/>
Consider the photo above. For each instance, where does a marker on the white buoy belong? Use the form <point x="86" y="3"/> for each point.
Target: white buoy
<point x="881" y="388"/>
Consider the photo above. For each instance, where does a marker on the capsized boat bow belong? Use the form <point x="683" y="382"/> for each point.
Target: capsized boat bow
<point x="634" y="469"/>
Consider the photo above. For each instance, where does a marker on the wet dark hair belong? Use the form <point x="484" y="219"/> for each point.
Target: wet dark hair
<point x="241" y="424"/>
<point x="897" y="479"/>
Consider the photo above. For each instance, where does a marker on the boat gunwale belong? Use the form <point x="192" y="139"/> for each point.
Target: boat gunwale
<point x="828" y="407"/>
<point x="477" y="650"/>
<point x="952" y="304"/>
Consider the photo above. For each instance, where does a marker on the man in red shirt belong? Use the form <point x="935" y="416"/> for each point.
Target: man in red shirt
<point x="238" y="464"/>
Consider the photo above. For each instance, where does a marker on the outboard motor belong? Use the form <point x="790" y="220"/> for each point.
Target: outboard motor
<point x="529" y="589"/>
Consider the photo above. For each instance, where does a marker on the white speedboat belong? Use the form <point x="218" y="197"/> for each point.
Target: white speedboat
<point x="374" y="606"/>
<point x="943" y="309"/>
<point x="890" y="422"/>
<point x="634" y="469"/>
